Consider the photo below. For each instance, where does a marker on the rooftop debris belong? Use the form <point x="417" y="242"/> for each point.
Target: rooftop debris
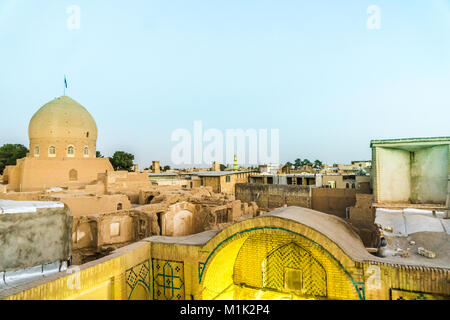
<point x="426" y="253"/>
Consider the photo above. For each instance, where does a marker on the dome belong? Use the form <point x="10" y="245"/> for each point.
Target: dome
<point x="62" y="118"/>
<point x="62" y="128"/>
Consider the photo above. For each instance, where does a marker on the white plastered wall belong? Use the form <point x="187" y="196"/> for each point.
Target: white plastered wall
<point x="429" y="175"/>
<point x="394" y="175"/>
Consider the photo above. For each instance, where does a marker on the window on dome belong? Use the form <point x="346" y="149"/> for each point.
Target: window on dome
<point x="70" y="151"/>
<point x="86" y="151"/>
<point x="36" y="151"/>
<point x="51" y="151"/>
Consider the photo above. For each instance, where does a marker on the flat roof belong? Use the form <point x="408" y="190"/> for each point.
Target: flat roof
<point x="336" y="229"/>
<point x="12" y="206"/>
<point x="216" y="173"/>
<point x="151" y="174"/>
<point x="289" y="175"/>
<point x="410" y="140"/>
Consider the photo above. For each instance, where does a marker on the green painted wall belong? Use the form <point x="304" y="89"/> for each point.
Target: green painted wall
<point x="429" y="171"/>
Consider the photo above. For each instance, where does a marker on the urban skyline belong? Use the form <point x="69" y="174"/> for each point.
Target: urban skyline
<point x="316" y="72"/>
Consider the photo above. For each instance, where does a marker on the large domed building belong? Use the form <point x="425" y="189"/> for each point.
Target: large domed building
<point x="63" y="138"/>
<point x="63" y="128"/>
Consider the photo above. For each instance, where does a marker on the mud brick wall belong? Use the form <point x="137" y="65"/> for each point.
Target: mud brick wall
<point x="269" y="196"/>
<point x="35" y="238"/>
<point x="332" y="201"/>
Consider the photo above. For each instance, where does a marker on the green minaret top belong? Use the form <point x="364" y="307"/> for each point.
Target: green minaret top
<point x="236" y="167"/>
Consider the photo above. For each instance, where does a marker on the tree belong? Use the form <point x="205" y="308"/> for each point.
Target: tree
<point x="317" y="164"/>
<point x="122" y="161"/>
<point x="361" y="172"/>
<point x="98" y="154"/>
<point x="166" y="168"/>
<point x="222" y="167"/>
<point x="306" y="162"/>
<point x="9" y="153"/>
<point x="298" y="163"/>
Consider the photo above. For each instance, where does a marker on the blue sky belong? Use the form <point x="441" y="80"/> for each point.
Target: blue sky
<point x="309" y="68"/>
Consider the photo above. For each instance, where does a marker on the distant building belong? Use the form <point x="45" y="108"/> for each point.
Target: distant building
<point x="346" y="181"/>
<point x="335" y="181"/>
<point x="170" y="179"/>
<point x="63" y="138"/>
<point x="216" y="166"/>
<point x="223" y="181"/>
<point x="156" y="167"/>
<point x="302" y="179"/>
<point x="269" y="168"/>
<point x="366" y="164"/>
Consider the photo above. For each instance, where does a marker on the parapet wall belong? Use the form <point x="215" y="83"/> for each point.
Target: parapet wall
<point x="333" y="201"/>
<point x="31" y="239"/>
<point x="363" y="209"/>
<point x="134" y="272"/>
<point x="269" y="196"/>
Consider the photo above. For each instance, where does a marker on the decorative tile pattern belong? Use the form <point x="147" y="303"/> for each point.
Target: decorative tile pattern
<point x="399" y="294"/>
<point x="362" y="289"/>
<point x="201" y="267"/>
<point x="168" y="280"/>
<point x="327" y="260"/>
<point x="283" y="260"/>
<point x="138" y="275"/>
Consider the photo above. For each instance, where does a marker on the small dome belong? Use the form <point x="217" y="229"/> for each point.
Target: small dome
<point x="62" y="118"/>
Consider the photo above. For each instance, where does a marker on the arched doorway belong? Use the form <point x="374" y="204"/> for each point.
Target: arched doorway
<point x="290" y="268"/>
<point x="272" y="263"/>
<point x="182" y="223"/>
<point x="140" y="292"/>
<point x="73" y="175"/>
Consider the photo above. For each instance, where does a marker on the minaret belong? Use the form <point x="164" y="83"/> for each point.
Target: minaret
<point x="236" y="167"/>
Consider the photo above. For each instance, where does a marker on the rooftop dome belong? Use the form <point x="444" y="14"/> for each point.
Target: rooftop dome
<point x="62" y="118"/>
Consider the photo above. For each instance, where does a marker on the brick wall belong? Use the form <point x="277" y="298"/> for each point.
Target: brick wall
<point x="269" y="196"/>
<point x="249" y="266"/>
<point x="332" y="201"/>
<point x="109" y="277"/>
